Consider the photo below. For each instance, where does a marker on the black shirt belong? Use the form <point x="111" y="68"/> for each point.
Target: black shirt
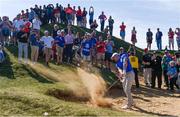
<point x="23" y="39"/>
<point x="147" y="59"/>
<point x="156" y="63"/>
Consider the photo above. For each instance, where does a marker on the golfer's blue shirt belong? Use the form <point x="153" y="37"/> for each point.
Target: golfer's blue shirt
<point x="121" y="62"/>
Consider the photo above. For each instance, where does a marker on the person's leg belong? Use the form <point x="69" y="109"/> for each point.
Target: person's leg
<point x="127" y="88"/>
<point x="36" y="54"/>
<point x="159" y="76"/>
<point x="26" y="52"/>
<point x="169" y="44"/>
<point x="32" y="53"/>
<point x="173" y="44"/>
<point x="136" y="77"/>
<point x="58" y="54"/>
<point x="172" y="83"/>
<point x="166" y="81"/>
<point x="19" y="51"/>
<point x="145" y="76"/>
<point x="153" y="79"/>
<point x="71" y="53"/>
<point x="150" y="75"/>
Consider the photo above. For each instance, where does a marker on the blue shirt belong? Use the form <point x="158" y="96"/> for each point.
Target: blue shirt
<point x="122" y="59"/>
<point x="60" y="41"/>
<point x="86" y="46"/>
<point x="93" y="41"/>
<point x="109" y="47"/>
<point x="159" y="35"/>
<point x="33" y="40"/>
<point x="171" y="71"/>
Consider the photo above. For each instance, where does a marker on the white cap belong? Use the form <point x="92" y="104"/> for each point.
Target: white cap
<point x="114" y="54"/>
<point x="46" y="31"/>
<point x="58" y="32"/>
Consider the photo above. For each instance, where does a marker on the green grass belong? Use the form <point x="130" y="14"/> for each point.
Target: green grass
<point x="24" y="91"/>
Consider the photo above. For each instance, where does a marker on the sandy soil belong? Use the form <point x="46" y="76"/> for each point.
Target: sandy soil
<point x="149" y="101"/>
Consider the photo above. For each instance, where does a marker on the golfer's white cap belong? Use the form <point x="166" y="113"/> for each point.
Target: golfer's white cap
<point x="114" y="54"/>
<point x="58" y="32"/>
<point x="46" y="31"/>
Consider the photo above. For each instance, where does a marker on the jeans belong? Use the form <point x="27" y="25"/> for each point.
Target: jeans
<point x="159" y="44"/>
<point x="111" y="30"/>
<point x="22" y="48"/>
<point x="102" y="25"/>
<point x="166" y="78"/>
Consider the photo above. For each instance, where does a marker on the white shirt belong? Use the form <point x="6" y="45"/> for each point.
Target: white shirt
<point x="36" y="24"/>
<point x="47" y="41"/>
<point x="18" y="23"/>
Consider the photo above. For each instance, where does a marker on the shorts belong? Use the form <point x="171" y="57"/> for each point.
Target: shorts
<point x="14" y="33"/>
<point x="100" y="56"/>
<point x="108" y="56"/>
<point x="171" y="41"/>
<point x="59" y="50"/>
<point x="6" y="32"/>
<point x="86" y="58"/>
<point x="149" y="41"/>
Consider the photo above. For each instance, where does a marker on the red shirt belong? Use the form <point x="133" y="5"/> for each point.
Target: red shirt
<point x="69" y="10"/>
<point x="171" y="35"/>
<point x="100" y="47"/>
<point x="79" y="13"/>
<point x="56" y="11"/>
<point x="122" y="27"/>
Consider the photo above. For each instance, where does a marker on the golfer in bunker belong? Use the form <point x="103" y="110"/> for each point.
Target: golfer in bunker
<point x="126" y="75"/>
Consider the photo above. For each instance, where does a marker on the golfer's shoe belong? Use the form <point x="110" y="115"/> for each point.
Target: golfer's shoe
<point x="126" y="107"/>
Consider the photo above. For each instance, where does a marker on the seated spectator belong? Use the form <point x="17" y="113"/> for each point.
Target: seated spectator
<point x="48" y="42"/>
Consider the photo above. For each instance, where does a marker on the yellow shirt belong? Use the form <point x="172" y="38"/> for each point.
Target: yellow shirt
<point x="134" y="61"/>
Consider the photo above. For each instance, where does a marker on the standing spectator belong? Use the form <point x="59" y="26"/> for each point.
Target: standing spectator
<point x="147" y="67"/>
<point x="79" y="16"/>
<point x="50" y="16"/>
<point x="32" y="14"/>
<point x="22" y="37"/>
<point x="60" y="43"/>
<point x="69" y="12"/>
<point x="172" y="75"/>
<point x="135" y="65"/>
<point x="100" y="45"/>
<point x="171" y="38"/>
<point x="109" y="44"/>
<point x="156" y="70"/>
<point x="57" y="14"/>
<point x="105" y="31"/>
<point x="5" y="27"/>
<point x="36" y="24"/>
<point x="84" y="19"/>
<point x="122" y="31"/>
<point x="48" y="42"/>
<point x="91" y="15"/>
<point x="27" y="13"/>
<point x="132" y="49"/>
<point x="177" y="32"/>
<point x="86" y="49"/>
<point x="63" y="16"/>
<point x="133" y="36"/>
<point x="125" y="74"/>
<point x="102" y="18"/>
<point x="159" y="39"/>
<point x="16" y="25"/>
<point x="34" y="41"/>
<point x="93" y="49"/>
<point x="165" y="64"/>
<point x="73" y="15"/>
<point x="54" y="34"/>
<point x="149" y="38"/>
<point x="94" y="25"/>
<point x="111" y="22"/>
<point x="69" y="39"/>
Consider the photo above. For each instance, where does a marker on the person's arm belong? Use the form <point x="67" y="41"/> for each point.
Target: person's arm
<point x="125" y="63"/>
